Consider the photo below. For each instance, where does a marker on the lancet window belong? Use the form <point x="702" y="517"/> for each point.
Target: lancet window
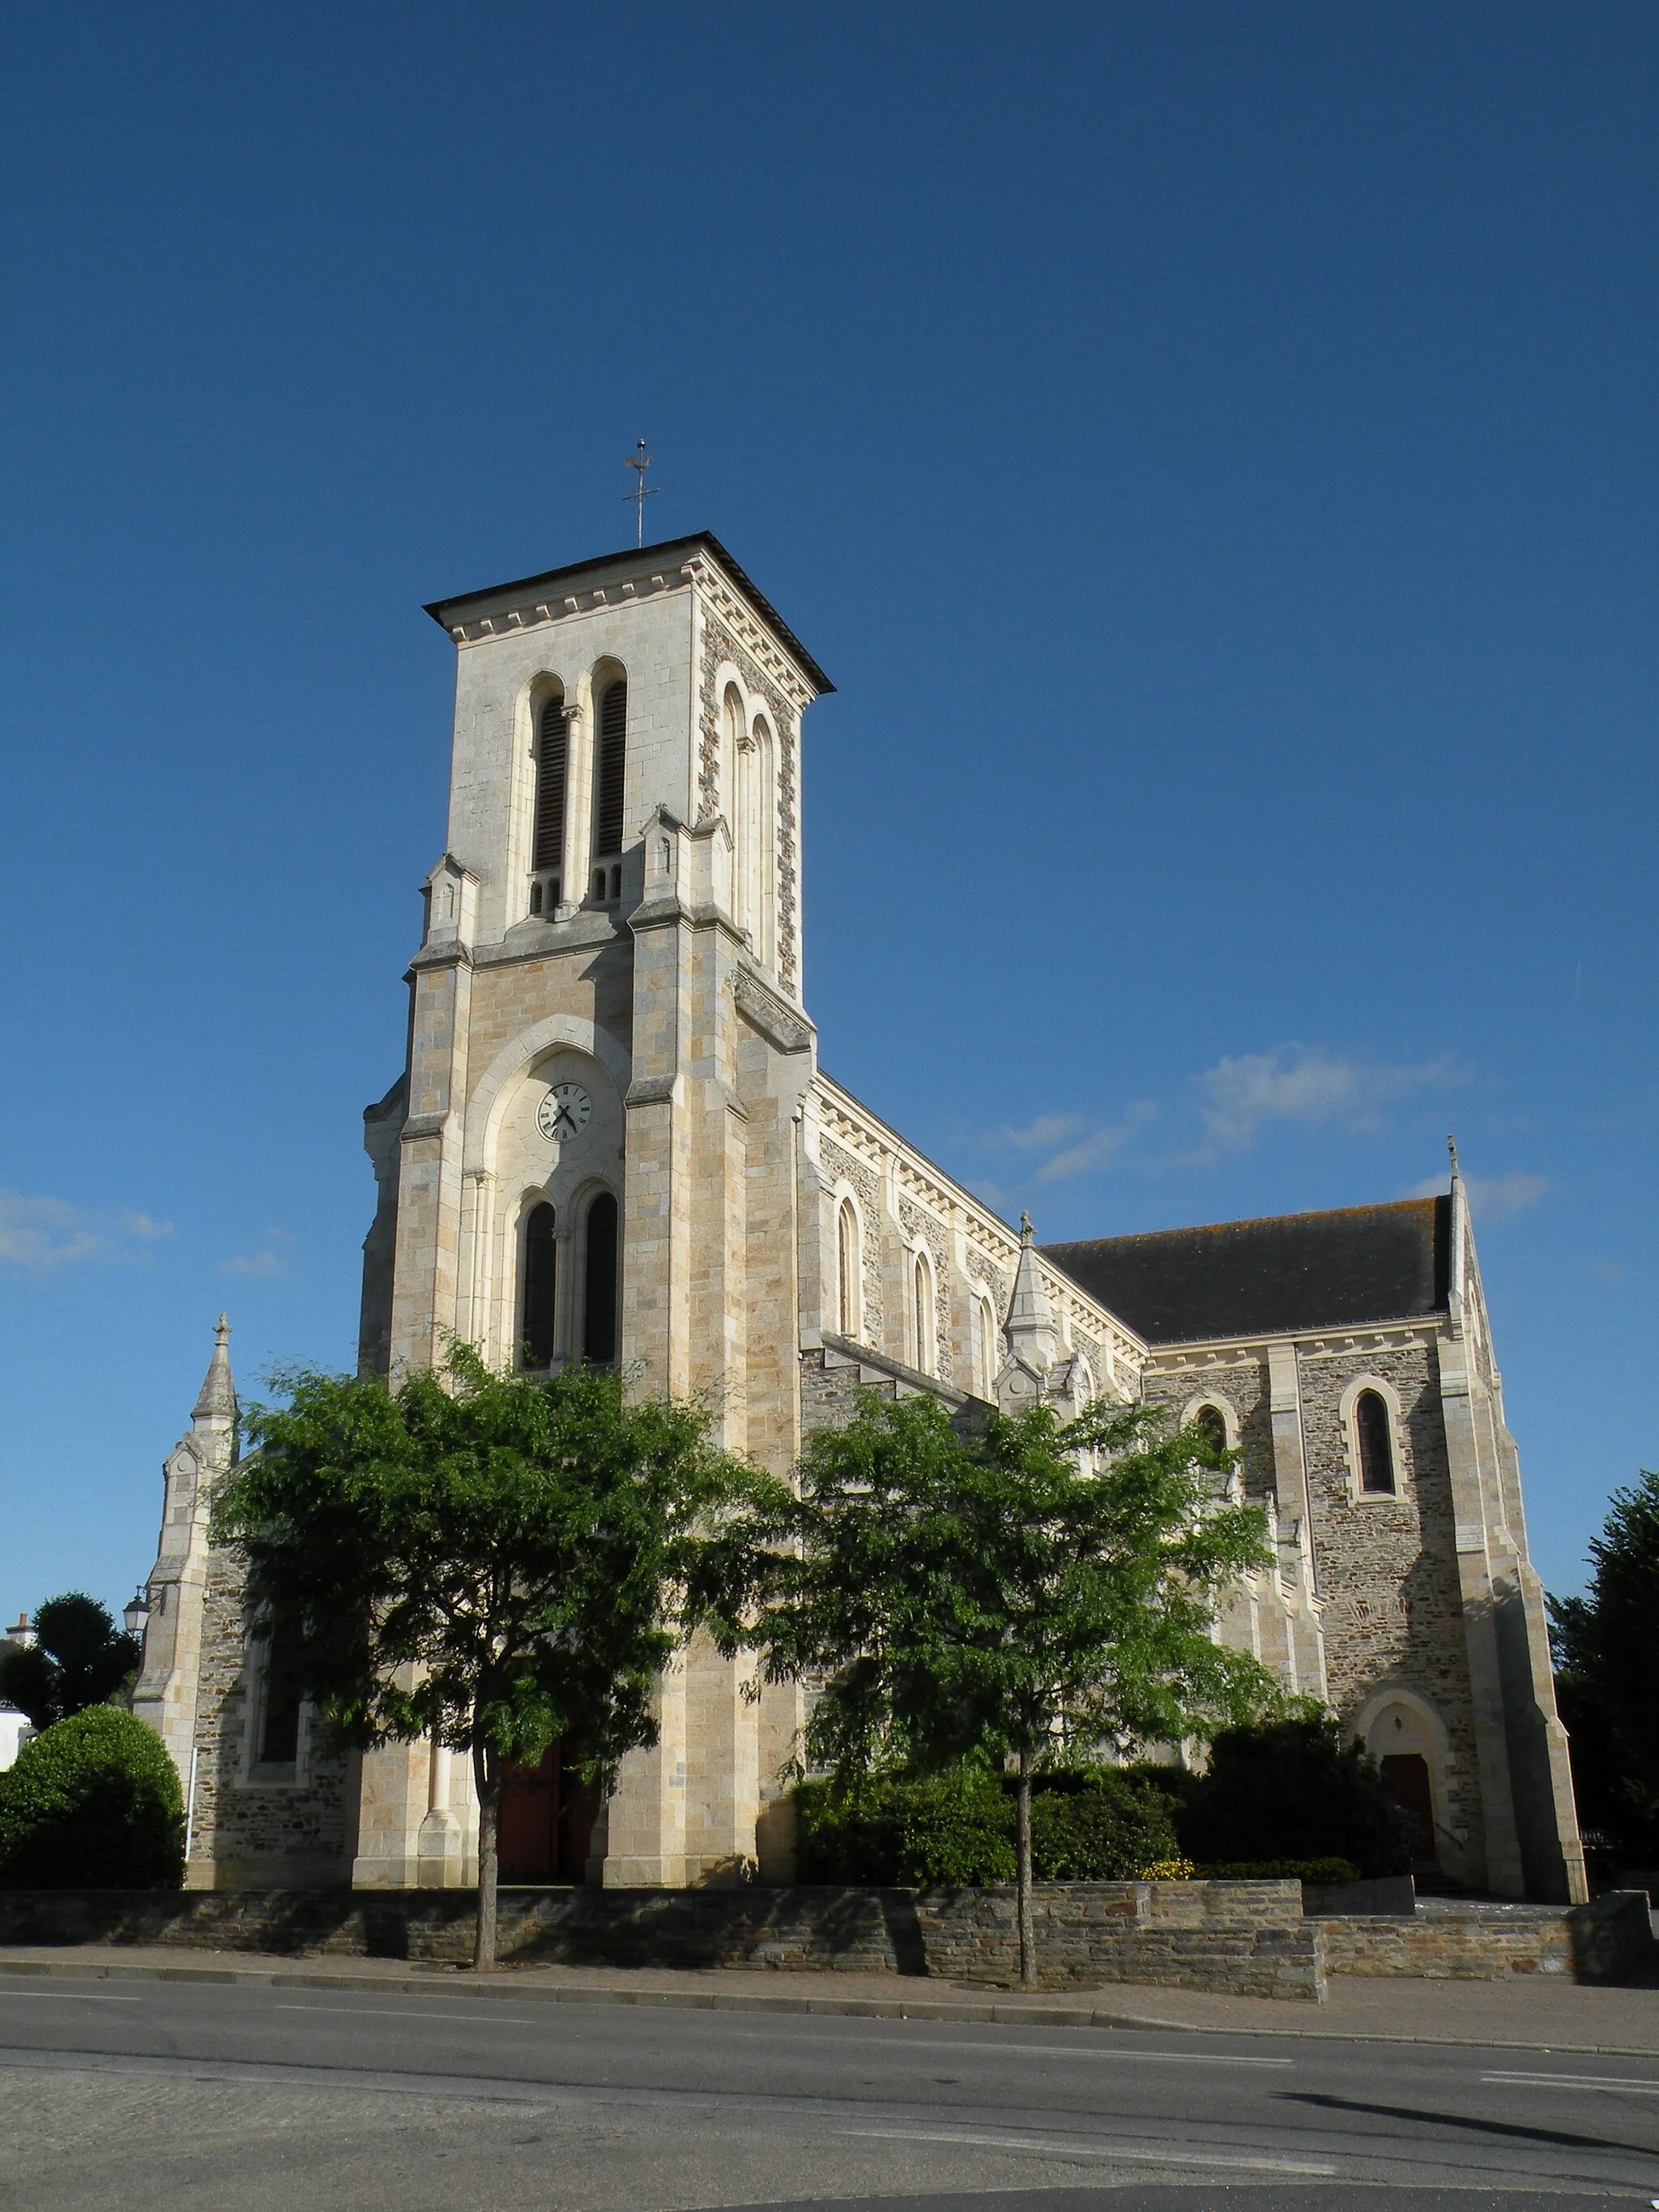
<point x="538" y="1306"/>
<point x="1373" y="1436"/>
<point x="552" y="791"/>
<point x="600" y="1286"/>
<point x="847" y="1269"/>
<point x="611" y="765"/>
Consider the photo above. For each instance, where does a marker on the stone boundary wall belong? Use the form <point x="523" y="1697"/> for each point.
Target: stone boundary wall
<point x="1448" y="1939"/>
<point x="1249" y="1938"/>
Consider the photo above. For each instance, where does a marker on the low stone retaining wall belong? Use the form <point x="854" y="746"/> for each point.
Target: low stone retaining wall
<point x="1387" y="1893"/>
<point x="1249" y="1938"/>
<point x="1449" y="1939"/>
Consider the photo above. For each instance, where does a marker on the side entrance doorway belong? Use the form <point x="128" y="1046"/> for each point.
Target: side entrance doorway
<point x="547" y="1818"/>
<point x="1407" y="1777"/>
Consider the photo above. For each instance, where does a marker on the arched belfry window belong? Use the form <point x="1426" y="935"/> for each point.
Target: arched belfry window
<point x="552" y="787"/>
<point x="1376" y="1442"/>
<point x="847" y="1269"/>
<point x="541" y="1267"/>
<point x="610" y="768"/>
<point x="921" y="1299"/>
<point x="599" y="1298"/>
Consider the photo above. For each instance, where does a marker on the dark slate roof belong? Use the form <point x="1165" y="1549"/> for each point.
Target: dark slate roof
<point x="1293" y="1272"/>
<point x="443" y="612"/>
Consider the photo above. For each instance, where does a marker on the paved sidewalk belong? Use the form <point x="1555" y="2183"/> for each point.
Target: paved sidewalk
<point x="1542" y="2013"/>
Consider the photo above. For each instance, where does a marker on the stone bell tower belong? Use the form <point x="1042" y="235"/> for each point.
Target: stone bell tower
<point x="590" y="1154"/>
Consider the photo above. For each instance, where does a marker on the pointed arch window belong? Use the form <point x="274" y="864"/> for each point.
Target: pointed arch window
<point x="762" y="845"/>
<point x="1212" y="1425"/>
<point x="610" y="769"/>
<point x="847" y="1269"/>
<point x="985" y="1337"/>
<point x="599" y="1288"/>
<point x="921" y="1301"/>
<point x="1374" y="1436"/>
<point x="552" y="790"/>
<point x="537" y="1307"/>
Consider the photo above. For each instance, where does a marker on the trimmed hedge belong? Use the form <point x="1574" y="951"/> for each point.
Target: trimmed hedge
<point x="91" y="1803"/>
<point x="956" y="1831"/>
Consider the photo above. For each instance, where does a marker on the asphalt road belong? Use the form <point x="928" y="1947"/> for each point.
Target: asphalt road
<point x="190" y="2096"/>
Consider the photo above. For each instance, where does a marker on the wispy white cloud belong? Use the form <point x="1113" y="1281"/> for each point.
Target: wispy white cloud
<point x="1099" y="1146"/>
<point x="1042" y="1135"/>
<point x="1307" y="1085"/>
<point x="41" y="1232"/>
<point x="1492" y="1199"/>
<point x="263" y="1262"/>
<point x="144" y="1224"/>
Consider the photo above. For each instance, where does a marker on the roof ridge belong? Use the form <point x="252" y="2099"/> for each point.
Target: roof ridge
<point x="1248" y="1221"/>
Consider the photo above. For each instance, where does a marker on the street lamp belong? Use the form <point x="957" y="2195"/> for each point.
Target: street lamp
<point x="136" y="1612"/>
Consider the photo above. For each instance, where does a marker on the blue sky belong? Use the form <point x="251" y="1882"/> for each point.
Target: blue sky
<point x="1211" y="448"/>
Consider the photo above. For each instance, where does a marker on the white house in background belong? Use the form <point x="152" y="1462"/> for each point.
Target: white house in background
<point x="14" y="1732"/>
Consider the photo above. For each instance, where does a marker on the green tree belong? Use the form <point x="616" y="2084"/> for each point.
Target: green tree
<point x="92" y="1802"/>
<point x="1606" y="1657"/>
<point x="495" y="1561"/>
<point x="1024" y="1594"/>
<point x="1294" y="1788"/>
<point x="79" y="1658"/>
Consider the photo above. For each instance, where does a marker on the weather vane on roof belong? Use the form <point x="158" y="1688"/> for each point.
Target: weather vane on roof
<point x="639" y="460"/>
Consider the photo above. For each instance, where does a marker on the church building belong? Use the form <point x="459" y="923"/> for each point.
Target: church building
<point x="612" y="1140"/>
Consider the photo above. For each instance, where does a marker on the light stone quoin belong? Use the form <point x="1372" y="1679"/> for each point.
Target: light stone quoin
<point x="728" y="1219"/>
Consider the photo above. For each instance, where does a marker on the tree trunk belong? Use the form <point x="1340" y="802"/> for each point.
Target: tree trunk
<point x="1023" y="1881"/>
<point x="487" y="1776"/>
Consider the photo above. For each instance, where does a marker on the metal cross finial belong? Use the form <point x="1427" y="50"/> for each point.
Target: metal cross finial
<point x="639" y="460"/>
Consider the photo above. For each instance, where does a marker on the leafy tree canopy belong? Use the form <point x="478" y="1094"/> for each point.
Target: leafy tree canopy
<point x="79" y="1658"/>
<point x="1607" y="1655"/>
<point x="1031" y="1591"/>
<point x="499" y="1562"/>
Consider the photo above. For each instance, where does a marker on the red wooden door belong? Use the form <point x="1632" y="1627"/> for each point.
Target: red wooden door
<point x="529" y="1820"/>
<point x="546" y="1822"/>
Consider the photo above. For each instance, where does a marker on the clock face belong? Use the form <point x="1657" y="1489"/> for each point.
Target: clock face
<point x="563" y="1112"/>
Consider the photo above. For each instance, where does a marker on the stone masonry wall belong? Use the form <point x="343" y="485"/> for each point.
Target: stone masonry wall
<point x="1450" y="1940"/>
<point x="1246" y="1937"/>
<point x="1388" y="1566"/>
<point x="263" y="1827"/>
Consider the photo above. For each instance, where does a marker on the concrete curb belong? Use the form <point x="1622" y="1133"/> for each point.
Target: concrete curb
<point x="457" y="1982"/>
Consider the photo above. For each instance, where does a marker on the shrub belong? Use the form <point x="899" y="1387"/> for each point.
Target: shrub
<point x="1293" y="1790"/>
<point x="92" y="1802"/>
<point x="957" y="1830"/>
<point x="1111" y="1830"/>
<point x="1316" y="1870"/>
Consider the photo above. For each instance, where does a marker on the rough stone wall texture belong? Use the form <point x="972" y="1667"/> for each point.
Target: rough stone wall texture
<point x="239" y="1822"/>
<point x="1247" y="1938"/>
<point x="1387" y="1567"/>
<point x="1238" y="1385"/>
<point x="845" y="1167"/>
<point x="1447" y="1939"/>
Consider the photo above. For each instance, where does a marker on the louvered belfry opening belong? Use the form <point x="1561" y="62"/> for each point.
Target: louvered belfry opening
<point x="612" y="763"/>
<point x="541" y="1265"/>
<point x="552" y="782"/>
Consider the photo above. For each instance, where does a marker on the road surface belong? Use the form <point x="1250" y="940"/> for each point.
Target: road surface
<point x="179" y="2097"/>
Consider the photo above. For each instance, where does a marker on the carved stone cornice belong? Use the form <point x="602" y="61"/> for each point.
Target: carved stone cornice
<point x="778" y="1022"/>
